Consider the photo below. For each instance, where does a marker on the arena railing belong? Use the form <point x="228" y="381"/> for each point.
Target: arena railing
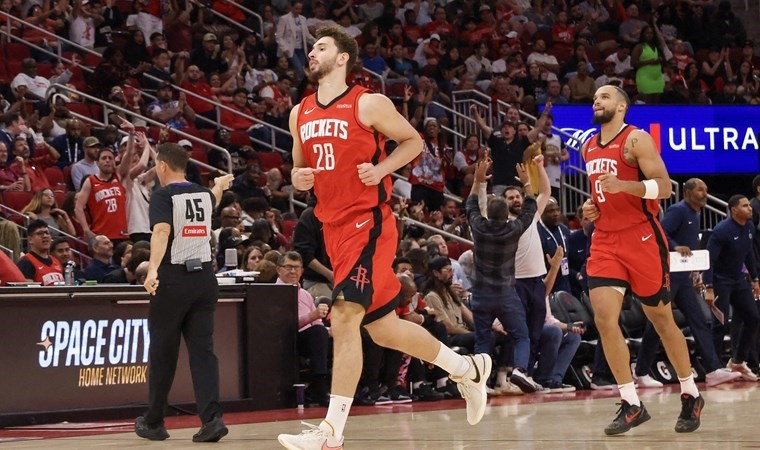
<point x="124" y="133"/>
<point x="223" y="17"/>
<point x="72" y="44"/>
<point x="11" y="254"/>
<point x="409" y="220"/>
<point x="219" y="107"/>
<point x="251" y="13"/>
<point x="148" y="120"/>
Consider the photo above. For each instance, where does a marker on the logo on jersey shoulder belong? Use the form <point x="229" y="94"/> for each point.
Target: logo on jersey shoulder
<point x="360" y="278"/>
<point x="309" y="111"/>
<point x="344" y="106"/>
<point x="194" y="231"/>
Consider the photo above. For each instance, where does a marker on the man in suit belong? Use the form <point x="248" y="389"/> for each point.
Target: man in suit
<point x="293" y="38"/>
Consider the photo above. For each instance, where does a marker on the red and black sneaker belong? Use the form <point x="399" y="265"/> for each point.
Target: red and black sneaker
<point x="691" y="410"/>
<point x="629" y="416"/>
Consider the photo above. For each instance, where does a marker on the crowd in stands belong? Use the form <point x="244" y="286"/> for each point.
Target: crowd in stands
<point x="85" y="188"/>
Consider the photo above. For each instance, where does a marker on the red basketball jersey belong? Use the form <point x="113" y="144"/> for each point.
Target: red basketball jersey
<point x="107" y="206"/>
<point x="617" y="211"/>
<point x="335" y="141"/>
<point x="47" y="275"/>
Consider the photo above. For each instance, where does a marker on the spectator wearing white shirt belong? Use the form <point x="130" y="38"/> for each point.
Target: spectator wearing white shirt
<point x="622" y="60"/>
<point x="547" y="62"/>
<point x="83" y="23"/>
<point x="36" y="86"/>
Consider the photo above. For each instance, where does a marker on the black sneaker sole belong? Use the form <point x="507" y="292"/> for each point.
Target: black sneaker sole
<point x="609" y="431"/>
<point x="690" y="425"/>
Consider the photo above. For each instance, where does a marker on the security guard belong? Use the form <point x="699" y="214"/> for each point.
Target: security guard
<point x="185" y="301"/>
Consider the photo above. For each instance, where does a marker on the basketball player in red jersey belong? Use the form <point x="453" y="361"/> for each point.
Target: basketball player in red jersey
<point x="338" y="149"/>
<point x="629" y="250"/>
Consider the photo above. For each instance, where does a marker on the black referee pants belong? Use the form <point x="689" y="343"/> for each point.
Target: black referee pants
<point x="184" y="305"/>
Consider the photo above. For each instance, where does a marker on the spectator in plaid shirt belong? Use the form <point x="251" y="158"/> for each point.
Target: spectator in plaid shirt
<point x="493" y="290"/>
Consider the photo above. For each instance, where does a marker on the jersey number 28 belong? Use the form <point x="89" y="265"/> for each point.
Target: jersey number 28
<point x="325" y="156"/>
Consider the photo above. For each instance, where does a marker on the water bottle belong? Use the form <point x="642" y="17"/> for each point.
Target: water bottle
<point x="68" y="274"/>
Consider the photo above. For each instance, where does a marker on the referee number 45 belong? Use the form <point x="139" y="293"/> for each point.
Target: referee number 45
<point x="325" y="156"/>
<point x="599" y="194"/>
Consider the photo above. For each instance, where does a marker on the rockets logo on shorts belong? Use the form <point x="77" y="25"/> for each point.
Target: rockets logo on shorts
<point x="360" y="278"/>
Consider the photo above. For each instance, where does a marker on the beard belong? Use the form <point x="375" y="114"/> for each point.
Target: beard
<point x="515" y="210"/>
<point x="600" y="119"/>
<point x="322" y="70"/>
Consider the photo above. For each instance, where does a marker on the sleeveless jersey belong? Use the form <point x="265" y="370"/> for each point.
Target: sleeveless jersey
<point x="188" y="208"/>
<point x="617" y="211"/>
<point x="47" y="275"/>
<point x="334" y="140"/>
<point x="107" y="206"/>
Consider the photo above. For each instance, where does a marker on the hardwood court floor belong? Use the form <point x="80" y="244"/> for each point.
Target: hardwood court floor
<point x="552" y="421"/>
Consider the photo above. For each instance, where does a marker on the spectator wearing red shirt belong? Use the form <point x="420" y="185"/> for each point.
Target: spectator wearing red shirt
<point x="440" y="25"/>
<point x="193" y="81"/>
<point x="563" y="36"/>
<point x="235" y="121"/>
<point x="9" y="180"/>
<point x="35" y="167"/>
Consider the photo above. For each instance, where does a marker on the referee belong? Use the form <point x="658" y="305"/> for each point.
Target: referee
<point x="185" y="301"/>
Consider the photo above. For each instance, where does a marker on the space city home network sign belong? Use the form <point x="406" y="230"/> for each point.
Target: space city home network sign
<point x="692" y="139"/>
<point x="104" y="352"/>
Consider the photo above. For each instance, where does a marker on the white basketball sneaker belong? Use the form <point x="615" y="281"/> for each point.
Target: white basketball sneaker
<point x="472" y="386"/>
<point x="313" y="438"/>
<point x="646" y="381"/>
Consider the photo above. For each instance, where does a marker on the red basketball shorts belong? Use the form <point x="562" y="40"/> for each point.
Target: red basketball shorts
<point x="361" y="250"/>
<point x="636" y="258"/>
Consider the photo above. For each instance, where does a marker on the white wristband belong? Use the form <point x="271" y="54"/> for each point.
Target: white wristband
<point x="652" y="189"/>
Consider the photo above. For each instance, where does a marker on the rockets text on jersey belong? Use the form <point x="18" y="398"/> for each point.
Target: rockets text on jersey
<point x="334" y="141"/>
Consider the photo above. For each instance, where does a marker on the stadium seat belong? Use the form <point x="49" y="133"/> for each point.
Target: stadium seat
<point x="67" y="178"/>
<point x="16" y="51"/>
<point x="199" y="155"/>
<point x="91" y="60"/>
<point x="55" y="176"/>
<point x="288" y="227"/>
<point x="455" y="251"/>
<point x="270" y="160"/>
<point x="45" y="70"/>
<point x="79" y="108"/>
<point x="96" y="112"/>
<point x="240" y="137"/>
<point x="16" y="200"/>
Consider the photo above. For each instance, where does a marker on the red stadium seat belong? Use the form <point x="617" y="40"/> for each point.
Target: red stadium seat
<point x="17" y="200"/>
<point x="45" y="70"/>
<point x="80" y="108"/>
<point x="454" y="249"/>
<point x="96" y="112"/>
<point x="91" y="60"/>
<point x="240" y="137"/>
<point x="269" y="160"/>
<point x="17" y="51"/>
<point x="207" y="135"/>
<point x="67" y="178"/>
<point x="199" y="155"/>
<point x="55" y="176"/>
<point x="288" y="227"/>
